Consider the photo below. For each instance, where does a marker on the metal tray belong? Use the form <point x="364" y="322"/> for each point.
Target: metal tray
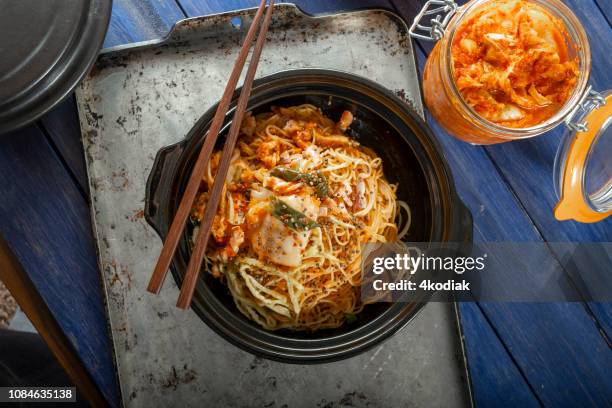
<point x="140" y="98"/>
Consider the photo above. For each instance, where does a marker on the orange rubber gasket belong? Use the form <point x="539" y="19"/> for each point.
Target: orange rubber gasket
<point x="572" y="205"/>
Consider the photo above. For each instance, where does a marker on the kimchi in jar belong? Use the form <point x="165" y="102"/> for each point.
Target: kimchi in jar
<point x="506" y="69"/>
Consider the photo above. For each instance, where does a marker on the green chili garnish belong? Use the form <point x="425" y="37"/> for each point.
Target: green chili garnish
<point x="316" y="180"/>
<point x="286" y="174"/>
<point x="292" y="217"/>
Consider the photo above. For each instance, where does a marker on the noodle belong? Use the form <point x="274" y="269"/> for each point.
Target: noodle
<point x="300" y="200"/>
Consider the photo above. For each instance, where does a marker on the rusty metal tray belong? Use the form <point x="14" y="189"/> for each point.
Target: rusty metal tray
<point x="144" y="96"/>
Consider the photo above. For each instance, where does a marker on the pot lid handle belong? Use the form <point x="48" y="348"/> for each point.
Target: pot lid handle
<point x="587" y="129"/>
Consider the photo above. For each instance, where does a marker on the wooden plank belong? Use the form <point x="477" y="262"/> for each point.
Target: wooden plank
<point x="134" y="21"/>
<point x="605" y="6"/>
<point x="502" y="386"/>
<point x="30" y="301"/>
<point x="46" y="221"/>
<point x="564" y="359"/>
<point x="203" y="7"/>
<point x="62" y="127"/>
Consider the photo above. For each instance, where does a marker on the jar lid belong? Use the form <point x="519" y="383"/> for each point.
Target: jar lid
<point x="583" y="166"/>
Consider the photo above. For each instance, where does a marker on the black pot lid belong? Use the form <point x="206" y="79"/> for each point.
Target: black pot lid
<point x="46" y="47"/>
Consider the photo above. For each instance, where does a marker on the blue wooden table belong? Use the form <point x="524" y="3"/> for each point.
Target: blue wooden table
<point x="529" y="354"/>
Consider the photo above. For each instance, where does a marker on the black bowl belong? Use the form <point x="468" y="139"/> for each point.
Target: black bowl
<point x="411" y="157"/>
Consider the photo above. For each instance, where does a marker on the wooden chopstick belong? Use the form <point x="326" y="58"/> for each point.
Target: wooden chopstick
<point x="197" y="255"/>
<point x="180" y="218"/>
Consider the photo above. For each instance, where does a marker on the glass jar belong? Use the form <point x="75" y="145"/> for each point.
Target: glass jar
<point x="444" y="100"/>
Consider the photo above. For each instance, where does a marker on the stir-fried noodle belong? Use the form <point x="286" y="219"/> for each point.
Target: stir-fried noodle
<point x="300" y="200"/>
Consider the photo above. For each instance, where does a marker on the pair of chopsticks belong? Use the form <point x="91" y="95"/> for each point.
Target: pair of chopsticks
<point x="180" y="219"/>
